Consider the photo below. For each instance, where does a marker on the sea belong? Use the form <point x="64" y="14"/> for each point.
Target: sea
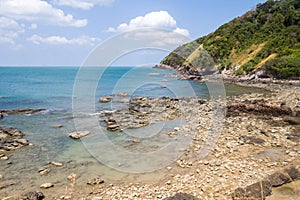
<point x="57" y="90"/>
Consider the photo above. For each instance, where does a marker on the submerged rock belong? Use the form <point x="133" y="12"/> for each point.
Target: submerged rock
<point x="22" y="111"/>
<point x="36" y="195"/>
<point x="78" y="134"/>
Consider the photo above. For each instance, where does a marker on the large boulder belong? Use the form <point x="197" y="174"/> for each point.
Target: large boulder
<point x="11" y="139"/>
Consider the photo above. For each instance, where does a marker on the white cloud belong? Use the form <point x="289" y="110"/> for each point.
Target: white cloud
<point x="160" y="19"/>
<point x="38" y="11"/>
<point x="9" y="30"/>
<point x="83" y="4"/>
<point x="33" y="26"/>
<point x="60" y="40"/>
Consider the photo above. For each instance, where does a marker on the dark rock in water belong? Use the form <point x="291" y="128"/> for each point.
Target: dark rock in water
<point x="11" y="139"/>
<point x="1" y="116"/>
<point x="22" y="111"/>
<point x="95" y="181"/>
<point x="182" y="196"/>
<point x="258" y="190"/>
<point x="36" y="195"/>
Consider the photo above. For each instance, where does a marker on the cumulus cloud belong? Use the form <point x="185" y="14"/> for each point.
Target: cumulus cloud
<point x="159" y="20"/>
<point x="83" y="4"/>
<point x="10" y="30"/>
<point x="60" y="40"/>
<point x="38" y="11"/>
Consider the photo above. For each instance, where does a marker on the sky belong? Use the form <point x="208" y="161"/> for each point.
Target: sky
<point x="65" y="32"/>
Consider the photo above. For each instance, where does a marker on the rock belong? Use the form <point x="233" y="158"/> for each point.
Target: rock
<point x="181" y="196"/>
<point x="57" y="126"/>
<point x="1" y="116"/>
<point x="36" y="195"/>
<point x="258" y="190"/>
<point x="293" y="173"/>
<point x="105" y="99"/>
<point x="4" y="158"/>
<point x="72" y="177"/>
<point x="44" y="171"/>
<point x="95" y="181"/>
<point x="11" y="139"/>
<point x="123" y="94"/>
<point x="22" y="111"/>
<point x="252" y="140"/>
<point x="78" y="134"/>
<point x="1" y="177"/>
<point x="46" y="185"/>
<point x="278" y="178"/>
<point x="56" y="164"/>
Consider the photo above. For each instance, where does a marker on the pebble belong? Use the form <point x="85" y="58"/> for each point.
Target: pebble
<point x="56" y="164"/>
<point x="46" y="185"/>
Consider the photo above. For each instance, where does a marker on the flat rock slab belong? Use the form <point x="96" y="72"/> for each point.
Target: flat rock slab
<point x="11" y="139"/>
<point x="47" y="185"/>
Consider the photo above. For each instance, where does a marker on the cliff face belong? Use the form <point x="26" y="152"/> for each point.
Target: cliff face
<point x="264" y="42"/>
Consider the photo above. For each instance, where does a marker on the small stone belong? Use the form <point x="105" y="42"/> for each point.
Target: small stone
<point x="44" y="171"/>
<point x="1" y="177"/>
<point x="169" y="168"/>
<point x="4" y="158"/>
<point x="56" y="164"/>
<point x="78" y="134"/>
<point x="136" y="141"/>
<point x="176" y="129"/>
<point x="72" y="177"/>
<point x="46" y="185"/>
<point x="57" y="126"/>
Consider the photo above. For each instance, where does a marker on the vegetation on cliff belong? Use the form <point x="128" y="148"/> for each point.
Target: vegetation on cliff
<point x="266" y="38"/>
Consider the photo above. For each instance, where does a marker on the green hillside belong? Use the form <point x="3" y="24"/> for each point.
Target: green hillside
<point x="264" y="39"/>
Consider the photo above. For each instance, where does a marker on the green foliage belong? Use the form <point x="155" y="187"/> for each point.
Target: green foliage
<point x="273" y="23"/>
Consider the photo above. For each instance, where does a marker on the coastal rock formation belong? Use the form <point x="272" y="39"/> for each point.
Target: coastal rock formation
<point x="141" y="112"/>
<point x="105" y="99"/>
<point x="78" y="134"/>
<point x="262" y="189"/>
<point x="11" y="139"/>
<point x="259" y="107"/>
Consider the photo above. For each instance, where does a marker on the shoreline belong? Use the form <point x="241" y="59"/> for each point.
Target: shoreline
<point x="250" y="148"/>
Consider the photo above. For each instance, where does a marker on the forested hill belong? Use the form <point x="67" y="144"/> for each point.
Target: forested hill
<point x="264" y="40"/>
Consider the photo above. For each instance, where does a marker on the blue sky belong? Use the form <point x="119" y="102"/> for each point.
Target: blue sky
<point x="64" y="32"/>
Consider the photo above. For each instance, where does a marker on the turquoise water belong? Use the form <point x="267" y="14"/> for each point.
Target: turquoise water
<point x="52" y="88"/>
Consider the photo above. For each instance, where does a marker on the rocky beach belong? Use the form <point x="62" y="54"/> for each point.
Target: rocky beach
<point x="256" y="155"/>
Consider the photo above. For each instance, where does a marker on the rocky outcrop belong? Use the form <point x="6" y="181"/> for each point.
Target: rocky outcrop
<point x="262" y="189"/>
<point x="22" y="111"/>
<point x="140" y="112"/>
<point x="11" y="139"/>
<point x="259" y="107"/>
